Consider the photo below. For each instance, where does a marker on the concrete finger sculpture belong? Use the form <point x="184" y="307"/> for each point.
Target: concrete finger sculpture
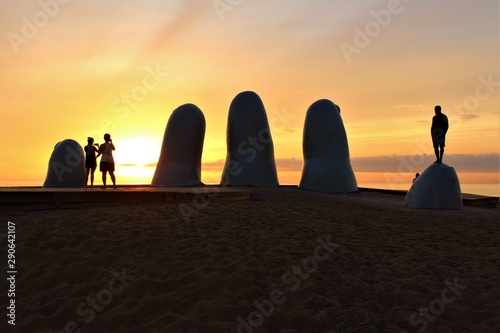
<point x="437" y="187"/>
<point x="327" y="165"/>
<point x="66" y="166"/>
<point x="180" y="157"/>
<point x="250" y="150"/>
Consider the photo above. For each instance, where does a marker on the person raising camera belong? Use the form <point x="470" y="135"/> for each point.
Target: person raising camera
<point x="107" y="162"/>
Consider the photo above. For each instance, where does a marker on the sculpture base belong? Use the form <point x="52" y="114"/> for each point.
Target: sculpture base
<point x="176" y="174"/>
<point x="437" y="187"/>
<point x="330" y="175"/>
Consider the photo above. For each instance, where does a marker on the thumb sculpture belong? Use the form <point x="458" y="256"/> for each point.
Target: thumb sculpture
<point x="327" y="165"/>
<point x="180" y="156"/>
<point x="250" y="149"/>
<point x="66" y="166"/>
<point x="437" y="187"/>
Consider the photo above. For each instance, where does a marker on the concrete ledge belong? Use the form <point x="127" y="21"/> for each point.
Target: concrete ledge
<point x="479" y="200"/>
<point x="467" y="198"/>
<point x="144" y="193"/>
<point x="386" y="191"/>
<point x="38" y="195"/>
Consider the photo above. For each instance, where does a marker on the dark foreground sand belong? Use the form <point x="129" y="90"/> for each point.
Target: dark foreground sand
<point x="295" y="262"/>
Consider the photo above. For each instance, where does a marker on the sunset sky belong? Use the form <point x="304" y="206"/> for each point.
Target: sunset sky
<point x="76" y="68"/>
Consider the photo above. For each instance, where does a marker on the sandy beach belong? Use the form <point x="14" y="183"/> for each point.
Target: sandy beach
<point x="285" y="261"/>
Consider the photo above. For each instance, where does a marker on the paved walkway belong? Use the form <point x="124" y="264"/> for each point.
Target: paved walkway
<point x="146" y="193"/>
<point x="467" y="198"/>
<point x="128" y="193"/>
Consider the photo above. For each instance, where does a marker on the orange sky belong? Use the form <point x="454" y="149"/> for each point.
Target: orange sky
<point x="71" y="69"/>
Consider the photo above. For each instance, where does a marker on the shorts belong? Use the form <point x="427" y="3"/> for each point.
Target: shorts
<point x="437" y="144"/>
<point x="438" y="137"/>
<point x="107" y="166"/>
<point x="90" y="163"/>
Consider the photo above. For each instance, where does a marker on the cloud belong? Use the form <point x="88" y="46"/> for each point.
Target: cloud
<point x="213" y="166"/>
<point x="289" y="164"/>
<point x="406" y="106"/>
<point x="282" y="164"/>
<point x="416" y="163"/>
<point x="188" y="14"/>
<point x="393" y="163"/>
<point x="148" y="165"/>
<point x="468" y="116"/>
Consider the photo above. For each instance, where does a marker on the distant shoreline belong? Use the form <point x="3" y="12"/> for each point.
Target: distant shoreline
<point x="490" y="190"/>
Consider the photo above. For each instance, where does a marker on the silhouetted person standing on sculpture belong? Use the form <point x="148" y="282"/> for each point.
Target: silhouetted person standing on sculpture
<point x="438" y="132"/>
<point x="107" y="162"/>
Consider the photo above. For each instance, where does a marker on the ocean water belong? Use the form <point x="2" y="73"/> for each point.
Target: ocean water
<point x="481" y="189"/>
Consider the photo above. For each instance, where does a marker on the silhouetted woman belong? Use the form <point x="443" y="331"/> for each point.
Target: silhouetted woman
<point x="90" y="161"/>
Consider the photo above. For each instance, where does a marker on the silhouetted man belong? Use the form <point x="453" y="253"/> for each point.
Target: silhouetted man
<point x="438" y="132"/>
